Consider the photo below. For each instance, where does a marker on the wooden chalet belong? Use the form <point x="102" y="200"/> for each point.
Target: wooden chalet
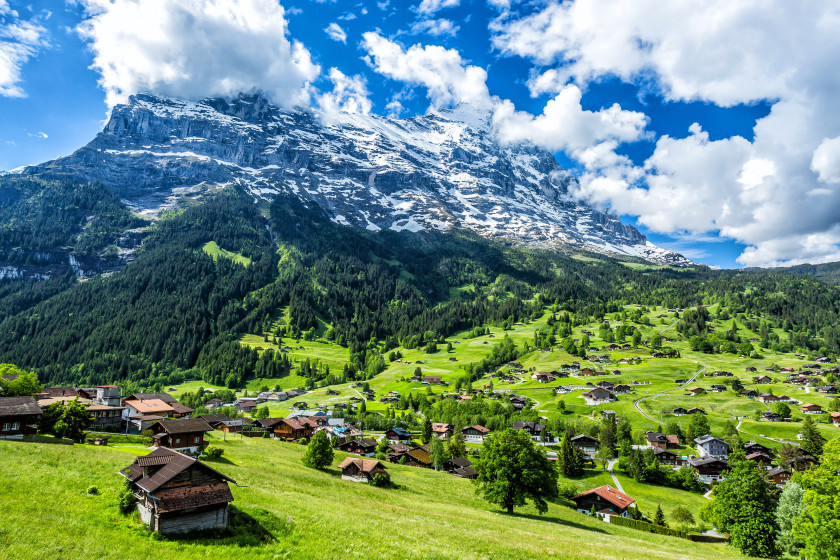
<point x="293" y="429"/>
<point x="779" y="476"/>
<point x="476" y="434"/>
<point x="18" y="416"/>
<point x="680" y="411"/>
<point x="694" y="391"/>
<point x="709" y="469"/>
<point x="184" y="436"/>
<point x="361" y="446"/>
<point x="763" y="379"/>
<point x="753" y="447"/>
<point x="809" y="408"/>
<point x="361" y="470"/>
<point x="662" y="441"/>
<point x="835" y="418"/>
<point x="587" y="445"/>
<point x="177" y="494"/>
<point x="599" y="395"/>
<point x="397" y="435"/>
<point x="606" y="500"/>
<point x="762" y="459"/>
<point x="534" y="430"/>
<point x="461" y="467"/>
<point x="441" y="430"/>
<point x="666" y="457"/>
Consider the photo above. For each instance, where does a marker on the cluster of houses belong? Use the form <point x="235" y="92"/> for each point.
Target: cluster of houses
<point x="711" y="463"/>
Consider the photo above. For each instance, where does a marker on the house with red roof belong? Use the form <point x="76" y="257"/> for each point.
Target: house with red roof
<point x="606" y="500"/>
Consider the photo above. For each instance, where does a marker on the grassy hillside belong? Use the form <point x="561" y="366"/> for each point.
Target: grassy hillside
<point x="310" y="514"/>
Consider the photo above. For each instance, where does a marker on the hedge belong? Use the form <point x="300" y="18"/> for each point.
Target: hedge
<point x="651" y="528"/>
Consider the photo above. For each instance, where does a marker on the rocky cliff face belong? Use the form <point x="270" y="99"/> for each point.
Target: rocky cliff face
<point x="440" y="171"/>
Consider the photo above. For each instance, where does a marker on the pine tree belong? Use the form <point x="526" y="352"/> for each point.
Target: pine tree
<point x="426" y="436"/>
<point x="659" y="517"/>
<point x="570" y="460"/>
<point x="812" y="441"/>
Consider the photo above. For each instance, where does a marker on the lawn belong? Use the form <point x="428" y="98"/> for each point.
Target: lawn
<point x="212" y="248"/>
<point x="311" y="514"/>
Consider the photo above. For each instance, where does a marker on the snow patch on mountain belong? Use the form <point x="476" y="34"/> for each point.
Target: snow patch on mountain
<point x="439" y="171"/>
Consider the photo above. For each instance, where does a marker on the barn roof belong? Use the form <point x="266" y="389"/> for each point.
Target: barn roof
<point x="18" y="406"/>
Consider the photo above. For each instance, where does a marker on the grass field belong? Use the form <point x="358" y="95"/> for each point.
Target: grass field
<point x="312" y="514"/>
<point x="212" y="248"/>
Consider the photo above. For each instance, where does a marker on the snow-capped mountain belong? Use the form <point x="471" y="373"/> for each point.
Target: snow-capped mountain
<point x="441" y="170"/>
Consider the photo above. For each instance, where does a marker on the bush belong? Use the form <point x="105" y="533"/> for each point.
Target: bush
<point x="381" y="481"/>
<point x="93" y="491"/>
<point x="125" y="500"/>
<point x="645" y="526"/>
<point x="213" y="452"/>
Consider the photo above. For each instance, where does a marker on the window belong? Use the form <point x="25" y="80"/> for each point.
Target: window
<point x="197" y="439"/>
<point x="15" y="426"/>
<point x="7" y="427"/>
<point x="177" y="441"/>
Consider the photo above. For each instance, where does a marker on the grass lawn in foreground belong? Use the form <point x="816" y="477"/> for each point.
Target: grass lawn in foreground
<point x="312" y="514"/>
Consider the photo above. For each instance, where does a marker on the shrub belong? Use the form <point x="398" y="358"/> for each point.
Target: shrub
<point x="93" y="491"/>
<point x="125" y="500"/>
<point x="213" y="452"/>
<point x="381" y="481"/>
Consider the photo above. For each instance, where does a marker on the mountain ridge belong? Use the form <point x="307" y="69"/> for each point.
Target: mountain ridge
<point x="434" y="171"/>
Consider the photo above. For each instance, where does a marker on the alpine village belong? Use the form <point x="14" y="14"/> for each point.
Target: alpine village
<point x="253" y="318"/>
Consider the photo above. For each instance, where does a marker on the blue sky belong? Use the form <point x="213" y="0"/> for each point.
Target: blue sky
<point x="713" y="129"/>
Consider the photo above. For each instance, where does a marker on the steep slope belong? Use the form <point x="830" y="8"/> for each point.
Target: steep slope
<point x="439" y="171"/>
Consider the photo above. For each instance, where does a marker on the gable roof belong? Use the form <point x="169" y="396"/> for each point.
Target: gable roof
<point x="583" y="437"/>
<point x="369" y="466"/>
<point x="662" y="438"/>
<point x="402" y="432"/>
<point x="178" y="499"/>
<point x="165" y="397"/>
<point x="19" y="406"/>
<point x="702" y="440"/>
<point x="185" y="426"/>
<point x="613" y="496"/>
<point x="478" y="428"/>
<point x="172" y="464"/>
<point x="149" y="406"/>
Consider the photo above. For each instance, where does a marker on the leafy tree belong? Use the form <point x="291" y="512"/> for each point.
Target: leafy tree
<point x="787" y="512"/>
<point x="26" y="383"/>
<point x="656" y="341"/>
<point x="782" y="409"/>
<point x="66" y="420"/>
<point x="457" y="445"/>
<point x="682" y="515"/>
<point x="791" y="456"/>
<point x="604" y="455"/>
<point x="319" y="452"/>
<point x="262" y="412"/>
<point x="427" y="431"/>
<point x="512" y="469"/>
<point x="699" y="425"/>
<point x="659" y="517"/>
<point x="439" y="453"/>
<point x="812" y="440"/>
<point x="818" y="526"/>
<point x="744" y="507"/>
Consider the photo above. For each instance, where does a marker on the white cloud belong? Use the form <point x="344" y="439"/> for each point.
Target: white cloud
<point x="196" y="48"/>
<point x="565" y="125"/>
<point x="336" y="33"/>
<point x="349" y="95"/>
<point x="349" y="16"/>
<point x="429" y="7"/>
<point x="39" y="135"/>
<point x="435" y="27"/>
<point x="826" y="160"/>
<point x="20" y="40"/>
<point x="775" y="193"/>
<point x="447" y="77"/>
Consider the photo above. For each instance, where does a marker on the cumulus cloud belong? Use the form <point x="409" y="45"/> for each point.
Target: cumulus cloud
<point x="349" y="95"/>
<point x="565" y="125"/>
<point x="196" y="48"/>
<point x="20" y="40"/>
<point x="447" y="77"/>
<point x="336" y="33"/>
<point x="435" y="27"/>
<point x="429" y="7"/>
<point x="775" y="193"/>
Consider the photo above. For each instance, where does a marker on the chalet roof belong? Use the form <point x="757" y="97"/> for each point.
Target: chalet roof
<point x="465" y="472"/>
<point x="775" y="471"/>
<point x="583" y="438"/>
<point x="479" y="429"/>
<point x="268" y="422"/>
<point x="660" y="451"/>
<point x="758" y="455"/>
<point x="178" y="499"/>
<point x="399" y="448"/>
<point x="211" y="418"/>
<point x="441" y="427"/>
<point x="101" y="407"/>
<point x="185" y="426"/>
<point x="369" y="466"/>
<point x="173" y="463"/>
<point x="702" y="440"/>
<point x="707" y="461"/>
<point x="19" y="406"/>
<point x="613" y="496"/>
<point x="60" y="392"/>
<point x="181" y="408"/>
<point x="810" y="406"/>
<point x="402" y="432"/>
<point x="165" y="397"/>
<point x="149" y="406"/>
<point x="421" y="454"/>
<point x="662" y="438"/>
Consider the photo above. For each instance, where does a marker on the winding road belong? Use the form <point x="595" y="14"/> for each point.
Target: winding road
<point x="690" y="381"/>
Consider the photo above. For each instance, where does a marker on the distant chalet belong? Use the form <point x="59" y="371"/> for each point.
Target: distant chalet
<point x="18" y="416"/>
<point x="185" y="436"/>
<point x="606" y="500"/>
<point x="361" y="470"/>
<point x="177" y="494"/>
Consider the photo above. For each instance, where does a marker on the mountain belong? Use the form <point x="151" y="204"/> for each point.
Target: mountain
<point x="440" y="171"/>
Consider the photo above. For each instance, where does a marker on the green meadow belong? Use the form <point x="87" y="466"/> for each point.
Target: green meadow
<point x="307" y="513"/>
